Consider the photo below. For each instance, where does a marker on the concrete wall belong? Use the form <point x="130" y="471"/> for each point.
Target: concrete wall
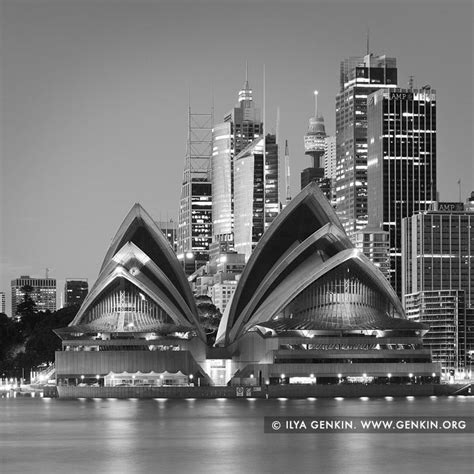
<point x="274" y="391"/>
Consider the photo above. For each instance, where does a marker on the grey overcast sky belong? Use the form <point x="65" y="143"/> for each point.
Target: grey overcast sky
<point x="94" y="101"/>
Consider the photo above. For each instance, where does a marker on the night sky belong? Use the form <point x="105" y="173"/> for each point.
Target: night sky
<point x="94" y="98"/>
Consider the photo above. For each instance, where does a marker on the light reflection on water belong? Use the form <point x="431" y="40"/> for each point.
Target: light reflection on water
<point x="165" y="435"/>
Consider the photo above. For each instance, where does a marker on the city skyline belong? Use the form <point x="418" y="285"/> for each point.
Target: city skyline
<point x="95" y="96"/>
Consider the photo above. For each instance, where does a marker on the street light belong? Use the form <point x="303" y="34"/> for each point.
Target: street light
<point x="339" y="376"/>
<point x="389" y="377"/>
<point x="282" y="377"/>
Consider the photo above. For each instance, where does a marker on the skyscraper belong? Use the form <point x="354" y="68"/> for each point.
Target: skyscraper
<point x="41" y="290"/>
<point x="241" y="126"/>
<point x="170" y="230"/>
<point x="330" y="165"/>
<point x="358" y="78"/>
<point x="75" y="291"/>
<point x="401" y="173"/>
<point x="330" y="157"/>
<point x="195" y="210"/>
<point x="2" y="302"/>
<point x="373" y="242"/>
<point x="438" y="278"/>
<point x="256" y="192"/>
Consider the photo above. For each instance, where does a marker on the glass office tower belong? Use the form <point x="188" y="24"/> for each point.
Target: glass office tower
<point x="241" y="127"/>
<point x="256" y="192"/>
<point x="359" y="77"/>
<point x="401" y="163"/>
<point x="438" y="277"/>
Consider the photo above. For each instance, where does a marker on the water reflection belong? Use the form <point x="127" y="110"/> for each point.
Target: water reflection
<point x="166" y="435"/>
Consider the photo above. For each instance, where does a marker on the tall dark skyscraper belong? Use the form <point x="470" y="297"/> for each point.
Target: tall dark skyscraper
<point x="170" y="230"/>
<point x="241" y="126"/>
<point x="195" y="210"/>
<point x="401" y="163"/>
<point x="256" y="192"/>
<point x="75" y="291"/>
<point x="315" y="148"/>
<point x="359" y="77"/>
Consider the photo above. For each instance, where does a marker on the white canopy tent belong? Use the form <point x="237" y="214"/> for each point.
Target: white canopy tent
<point x="154" y="379"/>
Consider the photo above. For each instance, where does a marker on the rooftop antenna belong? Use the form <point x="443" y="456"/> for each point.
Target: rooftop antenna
<point x="410" y="82"/>
<point x="264" y="144"/>
<point x="315" y="103"/>
<point x="277" y="125"/>
<point x="246" y="72"/>
<point x="287" y="172"/>
<point x="47" y="272"/>
<point x="368" y="41"/>
<point x="460" y="194"/>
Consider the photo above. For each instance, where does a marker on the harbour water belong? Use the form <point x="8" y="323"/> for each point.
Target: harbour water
<point x="221" y="436"/>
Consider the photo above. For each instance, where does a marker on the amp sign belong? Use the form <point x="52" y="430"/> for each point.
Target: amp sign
<point x="450" y="206"/>
<point x="401" y="95"/>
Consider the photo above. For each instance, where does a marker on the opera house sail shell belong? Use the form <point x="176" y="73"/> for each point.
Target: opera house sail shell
<point x="141" y="301"/>
<point x="306" y="282"/>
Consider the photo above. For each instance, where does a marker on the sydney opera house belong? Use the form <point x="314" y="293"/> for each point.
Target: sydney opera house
<point x="308" y="308"/>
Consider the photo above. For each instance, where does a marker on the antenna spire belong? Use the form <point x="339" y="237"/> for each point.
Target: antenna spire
<point x="368" y="41"/>
<point x="287" y="172"/>
<point x="278" y="125"/>
<point x="246" y="71"/>
<point x="315" y="103"/>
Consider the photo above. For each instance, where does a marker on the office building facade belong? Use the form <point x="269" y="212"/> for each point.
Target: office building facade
<point x="170" y="230"/>
<point x="374" y="243"/>
<point x="241" y="126"/>
<point x="438" y="266"/>
<point x="330" y="165"/>
<point x="195" y="210"/>
<point x="3" y="302"/>
<point x="359" y="77"/>
<point x="401" y="163"/>
<point x="444" y="311"/>
<point x="256" y="192"/>
<point x="75" y="291"/>
<point x="41" y="290"/>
